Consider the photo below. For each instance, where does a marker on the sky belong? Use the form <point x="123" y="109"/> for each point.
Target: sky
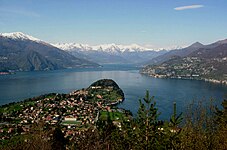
<point x="149" y="23"/>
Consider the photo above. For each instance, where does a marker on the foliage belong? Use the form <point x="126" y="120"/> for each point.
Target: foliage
<point x="36" y="139"/>
<point x="147" y="123"/>
<point x="222" y="114"/>
<point x="200" y="130"/>
<point x="175" y="119"/>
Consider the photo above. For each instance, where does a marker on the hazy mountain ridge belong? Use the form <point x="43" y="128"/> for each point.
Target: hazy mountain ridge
<point x="178" y="52"/>
<point x="183" y="52"/>
<point x="19" y="51"/>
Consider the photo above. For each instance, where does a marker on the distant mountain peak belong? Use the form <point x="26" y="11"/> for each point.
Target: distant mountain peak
<point x="196" y="44"/>
<point x="19" y="36"/>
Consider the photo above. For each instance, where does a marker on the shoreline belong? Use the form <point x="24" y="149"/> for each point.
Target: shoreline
<point x="222" y="82"/>
<point x="6" y="73"/>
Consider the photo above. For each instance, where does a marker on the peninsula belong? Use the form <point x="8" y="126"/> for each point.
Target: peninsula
<point x="73" y="112"/>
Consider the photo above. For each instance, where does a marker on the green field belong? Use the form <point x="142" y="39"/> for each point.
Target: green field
<point x="113" y="115"/>
<point x="71" y="122"/>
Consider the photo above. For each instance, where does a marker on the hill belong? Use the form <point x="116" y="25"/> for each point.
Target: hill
<point x="108" y="89"/>
<point x="207" y="63"/>
<point x="178" y="52"/>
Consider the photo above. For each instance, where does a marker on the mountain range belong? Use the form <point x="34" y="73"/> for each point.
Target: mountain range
<point x="111" y="53"/>
<point x="21" y="52"/>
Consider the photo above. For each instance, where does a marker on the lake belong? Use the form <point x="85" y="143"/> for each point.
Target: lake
<point x="24" y="85"/>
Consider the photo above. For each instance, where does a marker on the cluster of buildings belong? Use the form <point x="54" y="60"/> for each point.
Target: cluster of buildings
<point x="187" y="68"/>
<point x="217" y="81"/>
<point x="71" y="111"/>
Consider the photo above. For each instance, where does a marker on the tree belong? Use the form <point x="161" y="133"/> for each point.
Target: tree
<point x="222" y="114"/>
<point x="175" y="119"/>
<point x="147" y="130"/>
<point x="172" y="130"/>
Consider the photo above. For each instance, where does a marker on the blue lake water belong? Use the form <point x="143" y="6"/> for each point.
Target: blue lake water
<point x="24" y="85"/>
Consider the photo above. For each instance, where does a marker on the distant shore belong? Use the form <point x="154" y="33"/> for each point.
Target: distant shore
<point x="224" y="82"/>
<point x="6" y="73"/>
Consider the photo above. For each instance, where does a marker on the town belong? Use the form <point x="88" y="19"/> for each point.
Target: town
<point x="74" y="112"/>
<point x="189" y="68"/>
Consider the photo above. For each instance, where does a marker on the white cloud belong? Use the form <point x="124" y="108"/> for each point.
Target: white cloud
<point x="19" y="12"/>
<point x="189" y="7"/>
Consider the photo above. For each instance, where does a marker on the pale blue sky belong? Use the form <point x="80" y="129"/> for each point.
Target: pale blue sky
<point x="146" y="22"/>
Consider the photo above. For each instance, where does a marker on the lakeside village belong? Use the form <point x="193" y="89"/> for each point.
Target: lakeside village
<point x="74" y="112"/>
<point x="189" y="68"/>
<point x="7" y="72"/>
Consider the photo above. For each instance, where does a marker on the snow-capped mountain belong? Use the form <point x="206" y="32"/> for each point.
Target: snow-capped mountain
<point x="111" y="53"/>
<point x="73" y="46"/>
<point x="19" y="36"/>
<point x="111" y="48"/>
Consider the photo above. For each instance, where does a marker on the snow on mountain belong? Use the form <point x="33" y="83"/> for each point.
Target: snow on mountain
<point x="111" y="53"/>
<point x="169" y="48"/>
<point x="110" y="48"/>
<point x="19" y="36"/>
<point x="72" y="46"/>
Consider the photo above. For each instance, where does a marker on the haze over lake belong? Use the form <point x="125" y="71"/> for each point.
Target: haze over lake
<point x="24" y="85"/>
